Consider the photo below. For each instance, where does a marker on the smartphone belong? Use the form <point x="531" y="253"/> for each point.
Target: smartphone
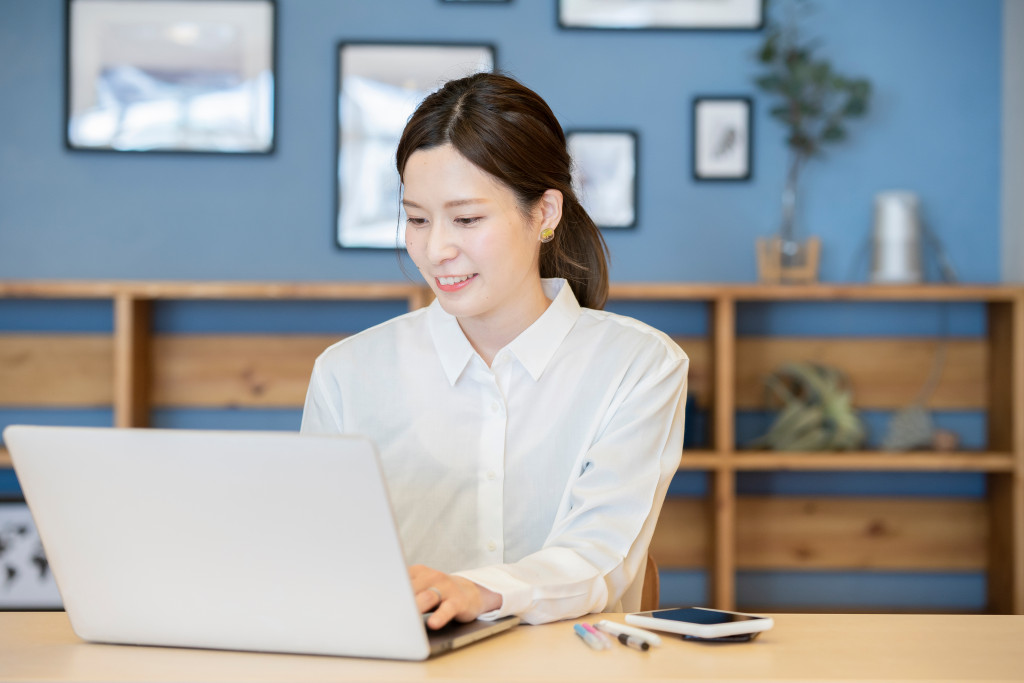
<point x="701" y="622"/>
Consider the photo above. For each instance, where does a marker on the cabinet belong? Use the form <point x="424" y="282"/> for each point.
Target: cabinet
<point x="134" y="371"/>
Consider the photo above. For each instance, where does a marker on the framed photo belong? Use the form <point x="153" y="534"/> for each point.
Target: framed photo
<point x="170" y="76"/>
<point x="686" y="15"/>
<point x="722" y="132"/>
<point x="379" y="87"/>
<point x="605" y="174"/>
<point x="26" y="582"/>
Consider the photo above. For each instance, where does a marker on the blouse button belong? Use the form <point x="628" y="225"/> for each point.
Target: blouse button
<point x="492" y="546"/>
<point x="494" y="407"/>
<point x="492" y="475"/>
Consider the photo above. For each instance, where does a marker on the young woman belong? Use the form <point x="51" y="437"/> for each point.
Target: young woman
<point x="527" y="437"/>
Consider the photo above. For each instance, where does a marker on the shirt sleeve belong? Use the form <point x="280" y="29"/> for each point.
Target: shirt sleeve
<point x="320" y="415"/>
<point x="598" y="542"/>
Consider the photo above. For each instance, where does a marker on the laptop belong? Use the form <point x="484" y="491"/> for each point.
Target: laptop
<point x="264" y="541"/>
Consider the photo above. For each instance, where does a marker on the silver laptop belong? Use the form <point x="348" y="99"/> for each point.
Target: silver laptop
<point x="263" y="541"/>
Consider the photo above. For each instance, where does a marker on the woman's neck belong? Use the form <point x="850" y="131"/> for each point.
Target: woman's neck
<point x="490" y="335"/>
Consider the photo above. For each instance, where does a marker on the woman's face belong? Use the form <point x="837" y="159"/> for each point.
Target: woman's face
<point x="469" y="238"/>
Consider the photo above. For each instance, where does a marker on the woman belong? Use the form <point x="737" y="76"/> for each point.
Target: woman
<point x="527" y="437"/>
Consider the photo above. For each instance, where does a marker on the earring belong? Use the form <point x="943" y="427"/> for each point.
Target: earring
<point x="547" y="234"/>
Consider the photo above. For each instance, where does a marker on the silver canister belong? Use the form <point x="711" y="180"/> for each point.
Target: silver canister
<point x="896" y="251"/>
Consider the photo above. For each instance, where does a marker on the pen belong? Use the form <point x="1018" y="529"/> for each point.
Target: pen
<point x="640" y="634"/>
<point x="588" y="638"/>
<point x="605" y="640"/>
<point x="634" y="642"/>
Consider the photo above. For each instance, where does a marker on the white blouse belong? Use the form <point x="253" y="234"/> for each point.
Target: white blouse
<point x="540" y="477"/>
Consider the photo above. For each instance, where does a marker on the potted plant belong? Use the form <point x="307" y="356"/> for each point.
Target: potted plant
<point x="813" y="101"/>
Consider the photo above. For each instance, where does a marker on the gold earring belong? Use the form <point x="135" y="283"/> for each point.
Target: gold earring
<point x="547" y="234"/>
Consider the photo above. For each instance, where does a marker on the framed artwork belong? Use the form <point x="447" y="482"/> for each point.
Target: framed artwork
<point x="26" y="582"/>
<point x="170" y="76"/>
<point x="605" y="174"/>
<point x="379" y="87"/>
<point x="686" y="15"/>
<point x="722" y="132"/>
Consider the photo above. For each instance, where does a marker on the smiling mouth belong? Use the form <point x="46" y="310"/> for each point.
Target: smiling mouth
<point x="453" y="283"/>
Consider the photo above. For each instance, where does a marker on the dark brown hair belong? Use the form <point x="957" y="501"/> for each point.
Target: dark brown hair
<point x="507" y="130"/>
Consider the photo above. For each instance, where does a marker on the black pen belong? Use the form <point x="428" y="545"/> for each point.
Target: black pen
<point x="635" y="643"/>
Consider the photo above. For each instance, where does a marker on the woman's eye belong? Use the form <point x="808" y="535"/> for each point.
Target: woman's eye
<point x="415" y="222"/>
<point x="467" y="221"/>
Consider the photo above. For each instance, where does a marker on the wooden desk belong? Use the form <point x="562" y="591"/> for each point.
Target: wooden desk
<point x="42" y="647"/>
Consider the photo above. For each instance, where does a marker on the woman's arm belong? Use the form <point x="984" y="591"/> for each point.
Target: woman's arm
<point x="598" y="542"/>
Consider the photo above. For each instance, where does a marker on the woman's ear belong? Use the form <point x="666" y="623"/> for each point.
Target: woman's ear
<point x="549" y="208"/>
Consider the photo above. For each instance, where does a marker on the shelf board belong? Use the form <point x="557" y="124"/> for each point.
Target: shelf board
<point x="5" y="458"/>
<point x="700" y="460"/>
<point x="954" y="461"/>
<point x="654" y="291"/>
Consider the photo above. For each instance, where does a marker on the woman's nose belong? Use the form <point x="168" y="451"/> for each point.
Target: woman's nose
<point x="441" y="246"/>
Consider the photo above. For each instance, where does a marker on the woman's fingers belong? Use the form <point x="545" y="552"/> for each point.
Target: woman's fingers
<point x="448" y="596"/>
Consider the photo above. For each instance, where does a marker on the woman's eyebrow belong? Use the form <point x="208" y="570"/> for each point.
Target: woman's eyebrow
<point x="447" y="205"/>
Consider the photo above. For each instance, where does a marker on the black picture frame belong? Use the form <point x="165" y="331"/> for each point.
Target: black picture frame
<point x="722" y="138"/>
<point x="661" y="15"/>
<point x="170" y="76"/>
<point x="394" y="77"/>
<point x="26" y="582"/>
<point x="606" y="174"/>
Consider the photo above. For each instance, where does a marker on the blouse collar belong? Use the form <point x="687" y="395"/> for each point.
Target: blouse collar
<point x="534" y="347"/>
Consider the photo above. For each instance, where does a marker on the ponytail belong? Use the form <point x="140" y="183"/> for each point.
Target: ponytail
<point x="579" y="254"/>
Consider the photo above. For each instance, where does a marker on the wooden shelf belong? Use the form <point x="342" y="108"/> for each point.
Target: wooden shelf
<point x="962" y="461"/>
<point x="134" y="371"/>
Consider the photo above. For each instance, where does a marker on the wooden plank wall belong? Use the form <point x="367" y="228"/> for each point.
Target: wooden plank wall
<point x="76" y="370"/>
<point x="258" y="371"/>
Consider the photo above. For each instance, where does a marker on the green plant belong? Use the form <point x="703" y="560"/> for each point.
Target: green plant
<point x="817" y="411"/>
<point x="813" y="99"/>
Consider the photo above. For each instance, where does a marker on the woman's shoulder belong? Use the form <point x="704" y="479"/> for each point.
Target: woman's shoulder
<point x="630" y="334"/>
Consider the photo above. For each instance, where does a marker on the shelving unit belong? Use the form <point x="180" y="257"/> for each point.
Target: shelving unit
<point x="134" y="371"/>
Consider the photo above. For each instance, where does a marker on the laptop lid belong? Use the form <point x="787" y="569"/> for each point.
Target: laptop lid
<point x="265" y="541"/>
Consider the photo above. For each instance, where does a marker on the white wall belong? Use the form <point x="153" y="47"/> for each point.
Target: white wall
<point x="1013" y="141"/>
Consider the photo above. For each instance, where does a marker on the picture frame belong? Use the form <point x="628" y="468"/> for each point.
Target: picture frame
<point x="379" y="86"/>
<point x="722" y="139"/>
<point x="26" y="582"/>
<point x="175" y="76"/>
<point x="605" y="174"/>
<point x="671" y="15"/>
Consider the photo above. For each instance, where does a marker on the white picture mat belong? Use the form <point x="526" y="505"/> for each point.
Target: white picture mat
<point x="117" y="99"/>
<point x="604" y="176"/>
<point x="381" y="85"/>
<point x="722" y="139"/>
<point x="695" y="14"/>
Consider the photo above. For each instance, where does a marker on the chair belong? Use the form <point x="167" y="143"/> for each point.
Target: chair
<point x="651" y="589"/>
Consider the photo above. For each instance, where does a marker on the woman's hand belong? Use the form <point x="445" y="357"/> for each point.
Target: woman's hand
<point x="451" y="597"/>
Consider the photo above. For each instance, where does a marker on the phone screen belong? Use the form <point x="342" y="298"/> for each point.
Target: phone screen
<point x="701" y="616"/>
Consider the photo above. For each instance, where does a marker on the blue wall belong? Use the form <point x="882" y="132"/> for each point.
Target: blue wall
<point x="934" y="129"/>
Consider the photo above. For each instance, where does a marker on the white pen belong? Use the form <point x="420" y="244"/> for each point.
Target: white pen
<point x="617" y="629"/>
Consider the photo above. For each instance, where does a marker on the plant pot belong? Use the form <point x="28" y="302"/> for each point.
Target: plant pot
<point x="788" y="262"/>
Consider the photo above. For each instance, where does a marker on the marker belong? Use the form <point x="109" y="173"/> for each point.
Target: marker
<point x="605" y="640"/>
<point x="640" y="634"/>
<point x="634" y="642"/>
<point x="588" y="638"/>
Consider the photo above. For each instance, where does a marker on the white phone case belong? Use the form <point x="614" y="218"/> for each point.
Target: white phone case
<point x="651" y="620"/>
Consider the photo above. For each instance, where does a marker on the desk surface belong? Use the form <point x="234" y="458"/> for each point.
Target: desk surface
<point x="42" y="647"/>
